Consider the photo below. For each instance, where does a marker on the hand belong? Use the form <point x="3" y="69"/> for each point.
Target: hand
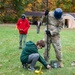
<point x="21" y="29"/>
<point x="46" y="12"/>
<point x="48" y="32"/>
<point x="48" y="66"/>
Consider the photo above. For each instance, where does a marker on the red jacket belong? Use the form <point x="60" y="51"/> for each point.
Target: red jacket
<point x="23" y="26"/>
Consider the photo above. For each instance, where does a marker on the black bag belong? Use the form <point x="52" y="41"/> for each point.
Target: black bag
<point x="55" y="64"/>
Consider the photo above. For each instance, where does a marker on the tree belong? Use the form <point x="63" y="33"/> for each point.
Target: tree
<point x="11" y="10"/>
<point x="66" y="5"/>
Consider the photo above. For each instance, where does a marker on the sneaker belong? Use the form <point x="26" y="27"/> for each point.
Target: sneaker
<point x="25" y="65"/>
<point x="31" y="69"/>
<point x="20" y="47"/>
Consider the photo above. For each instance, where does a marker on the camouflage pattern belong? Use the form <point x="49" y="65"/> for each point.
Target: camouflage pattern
<point x="54" y="26"/>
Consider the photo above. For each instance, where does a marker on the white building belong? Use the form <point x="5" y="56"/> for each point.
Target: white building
<point x="69" y="19"/>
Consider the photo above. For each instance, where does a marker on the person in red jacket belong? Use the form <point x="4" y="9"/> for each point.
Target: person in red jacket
<point x="23" y="27"/>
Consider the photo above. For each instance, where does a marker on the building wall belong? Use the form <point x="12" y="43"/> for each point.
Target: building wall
<point x="70" y="19"/>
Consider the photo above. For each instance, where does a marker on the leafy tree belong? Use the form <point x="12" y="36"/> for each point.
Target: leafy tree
<point x="1" y="10"/>
<point x="66" y="5"/>
<point x="11" y="10"/>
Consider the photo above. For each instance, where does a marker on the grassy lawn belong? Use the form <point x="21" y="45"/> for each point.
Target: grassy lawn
<point x="9" y="53"/>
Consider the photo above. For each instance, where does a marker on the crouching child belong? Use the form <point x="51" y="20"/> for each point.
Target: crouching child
<point x="30" y="55"/>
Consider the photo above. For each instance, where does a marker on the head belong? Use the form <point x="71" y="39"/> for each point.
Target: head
<point x="23" y="16"/>
<point x="58" y="13"/>
<point x="40" y="44"/>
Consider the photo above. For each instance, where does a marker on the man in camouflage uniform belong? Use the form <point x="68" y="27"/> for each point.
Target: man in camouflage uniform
<point x="52" y="36"/>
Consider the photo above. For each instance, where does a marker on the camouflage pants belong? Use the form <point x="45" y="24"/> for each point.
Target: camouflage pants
<point x="55" y="41"/>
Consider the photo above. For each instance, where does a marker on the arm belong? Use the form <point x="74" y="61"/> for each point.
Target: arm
<point x="57" y="29"/>
<point x="41" y="60"/>
<point x="17" y="25"/>
<point x="27" y="26"/>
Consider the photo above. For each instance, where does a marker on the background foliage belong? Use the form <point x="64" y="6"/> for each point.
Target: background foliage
<point x="11" y="10"/>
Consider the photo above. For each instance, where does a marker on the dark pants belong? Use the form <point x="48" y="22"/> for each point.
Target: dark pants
<point x="38" y="29"/>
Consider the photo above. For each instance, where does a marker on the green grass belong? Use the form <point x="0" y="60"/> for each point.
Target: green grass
<point x="9" y="53"/>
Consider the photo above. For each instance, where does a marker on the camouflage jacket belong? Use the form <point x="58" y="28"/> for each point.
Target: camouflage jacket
<point x="54" y="25"/>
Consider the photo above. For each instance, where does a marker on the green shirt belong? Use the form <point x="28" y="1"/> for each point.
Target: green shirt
<point x="30" y="48"/>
